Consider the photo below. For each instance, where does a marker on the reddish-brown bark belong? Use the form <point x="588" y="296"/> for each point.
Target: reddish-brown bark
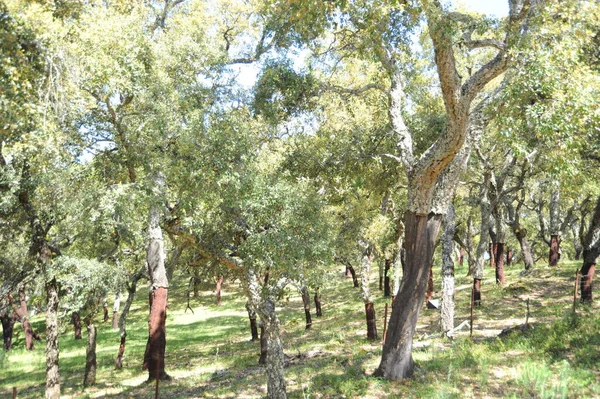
<point x="76" y="319"/>
<point x="8" y="324"/>
<point x="509" y="256"/>
<point x="477" y="292"/>
<point x="499" y="262"/>
<point x="371" y="321"/>
<point x="587" y="278"/>
<point x="154" y="358"/>
<point x="554" y="254"/>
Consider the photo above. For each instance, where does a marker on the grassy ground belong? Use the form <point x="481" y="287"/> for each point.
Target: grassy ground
<point x="209" y="354"/>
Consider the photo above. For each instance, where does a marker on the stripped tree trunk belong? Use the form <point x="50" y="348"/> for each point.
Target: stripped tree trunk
<point x="387" y="289"/>
<point x="447" y="304"/>
<point x="23" y="316"/>
<point x="76" y="318"/>
<point x="89" y="377"/>
<point x="8" y="324"/>
<point x="317" y="299"/>
<point x="591" y="251"/>
<point x="154" y="358"/>
<point x="366" y="262"/>
<point x="306" y="302"/>
<point x="252" y="318"/>
<point x="353" y="273"/>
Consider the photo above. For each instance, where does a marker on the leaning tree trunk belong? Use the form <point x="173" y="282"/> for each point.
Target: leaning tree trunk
<point x="353" y="273"/>
<point x="317" y="299"/>
<point x="131" y="289"/>
<point x="306" y="302"/>
<point x="76" y="319"/>
<point x="554" y="253"/>
<point x="89" y="377"/>
<point x="154" y="358"/>
<point x="591" y="251"/>
<point x="421" y="232"/>
<point x="116" y="306"/>
<point x="447" y="304"/>
<point x="521" y="235"/>
<point x="366" y="262"/>
<point x="252" y="318"/>
<point x="52" y="375"/>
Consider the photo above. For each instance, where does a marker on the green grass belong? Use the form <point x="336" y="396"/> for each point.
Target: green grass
<point x="210" y="356"/>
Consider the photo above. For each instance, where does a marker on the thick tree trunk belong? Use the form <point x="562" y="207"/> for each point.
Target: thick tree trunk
<point x="89" y="377"/>
<point x="499" y="262"/>
<point x="387" y="289"/>
<point x="252" y="318"/>
<point x="521" y="236"/>
<point x="492" y="252"/>
<point x="591" y="252"/>
<point x="131" y="289"/>
<point x="154" y="358"/>
<point x="587" y="278"/>
<point x="8" y="324"/>
<point x="477" y="291"/>
<point x="421" y="232"/>
<point x="553" y="255"/>
<point x="371" y="321"/>
<point x="317" y="299"/>
<point x="306" y="302"/>
<point x="276" y="386"/>
<point x="76" y="318"/>
<point x="447" y="304"/>
<point x="52" y="375"/>
<point x="218" y="289"/>
<point x="263" y="345"/>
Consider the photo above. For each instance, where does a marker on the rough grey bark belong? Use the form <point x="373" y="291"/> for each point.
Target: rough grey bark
<point x="131" y="289"/>
<point x="365" y="270"/>
<point x="89" y="377"/>
<point x="263" y="302"/>
<point x="469" y="246"/>
<point x="306" y="303"/>
<point x="116" y="307"/>
<point x="52" y="375"/>
<point x="447" y="304"/>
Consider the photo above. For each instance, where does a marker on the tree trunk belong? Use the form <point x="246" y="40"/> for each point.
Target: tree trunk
<point x="492" y="252"/>
<point x="116" y="306"/>
<point x="553" y="255"/>
<point x="131" y="289"/>
<point x="218" y="289"/>
<point x="461" y="256"/>
<point x="380" y="267"/>
<point x="317" y="299"/>
<point x="52" y="374"/>
<point x="89" y="377"/>
<point x="554" y="252"/>
<point x="23" y="316"/>
<point x="521" y="236"/>
<point x="8" y="324"/>
<point x="499" y="262"/>
<point x="477" y="291"/>
<point x="276" y="386"/>
<point x="591" y="251"/>
<point x="396" y="360"/>
<point x="366" y="262"/>
<point x="154" y="358"/>
<point x="447" y="304"/>
<point x="509" y="256"/>
<point x="429" y="293"/>
<point x="347" y="272"/>
<point x="263" y="345"/>
<point x="252" y="318"/>
<point x="306" y="302"/>
<point x="105" y="310"/>
<point x="387" y="289"/>
<point x="353" y="273"/>
<point x="76" y="318"/>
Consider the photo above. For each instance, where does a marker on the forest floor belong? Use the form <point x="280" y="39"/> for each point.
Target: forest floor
<point x="209" y="354"/>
